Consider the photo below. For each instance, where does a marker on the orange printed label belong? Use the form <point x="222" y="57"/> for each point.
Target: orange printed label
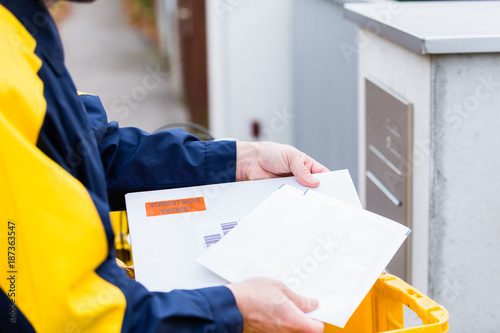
<point x="175" y="206"/>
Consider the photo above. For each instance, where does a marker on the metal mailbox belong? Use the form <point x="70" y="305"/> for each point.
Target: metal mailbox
<point x="388" y="164"/>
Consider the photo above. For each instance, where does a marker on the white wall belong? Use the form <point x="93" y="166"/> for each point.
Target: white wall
<point x="250" y="68"/>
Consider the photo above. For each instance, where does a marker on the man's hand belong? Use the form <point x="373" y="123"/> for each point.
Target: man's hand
<point x="269" y="306"/>
<point x="259" y="160"/>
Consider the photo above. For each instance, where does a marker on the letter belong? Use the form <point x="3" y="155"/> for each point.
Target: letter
<point x="105" y="296"/>
<point x="328" y="245"/>
<point x="348" y="50"/>
<point x="40" y="18"/>
<point x="71" y="327"/>
<point x="139" y="93"/>
<point x="481" y="96"/>
<point x="291" y="281"/>
<point x="267" y="134"/>
<point x="92" y="303"/>
<point x="457" y="108"/>
<point x="157" y="75"/>
<point x="392" y="179"/>
<point x="318" y="256"/>
<point x="29" y="26"/>
<point x="418" y="158"/>
<point x="220" y="177"/>
<point x="489" y="83"/>
<point x="424" y="146"/>
<point x="384" y="15"/>
<point x="284" y="115"/>
<point x="119" y="109"/>
<point x="309" y="264"/>
<point x="15" y="40"/>
<point x="221" y="8"/>
<point x="126" y="98"/>
<point x="456" y="286"/>
<point x="373" y="27"/>
<point x="275" y="128"/>
<point x="83" y="148"/>
<point x="471" y="103"/>
<point x="363" y="39"/>
<point x="447" y="296"/>
<point x="212" y="191"/>
<point x="72" y="158"/>
<point x="454" y="121"/>
<point x="148" y="85"/>
<point x="395" y="8"/>
<point x="297" y="270"/>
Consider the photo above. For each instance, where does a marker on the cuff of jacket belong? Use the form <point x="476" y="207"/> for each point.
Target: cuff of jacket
<point x="227" y="316"/>
<point x="220" y="159"/>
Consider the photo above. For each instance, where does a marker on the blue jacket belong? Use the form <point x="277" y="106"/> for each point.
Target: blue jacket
<point x="63" y="167"/>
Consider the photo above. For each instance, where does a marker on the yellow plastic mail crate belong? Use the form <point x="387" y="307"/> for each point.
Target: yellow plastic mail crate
<point x="382" y="310"/>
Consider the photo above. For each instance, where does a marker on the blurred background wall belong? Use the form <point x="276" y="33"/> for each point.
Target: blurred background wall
<point x="278" y="70"/>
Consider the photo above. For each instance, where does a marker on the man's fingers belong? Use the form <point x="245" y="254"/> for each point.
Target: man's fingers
<point x="303" y="166"/>
<point x="317" y="167"/>
<point x="302" y="173"/>
<point x="305" y="304"/>
<point x="300" y="322"/>
<point x="305" y="178"/>
<point x="314" y="166"/>
<point x="309" y="325"/>
<point x="269" y="306"/>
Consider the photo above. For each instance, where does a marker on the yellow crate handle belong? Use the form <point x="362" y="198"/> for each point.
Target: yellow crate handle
<point x="433" y="316"/>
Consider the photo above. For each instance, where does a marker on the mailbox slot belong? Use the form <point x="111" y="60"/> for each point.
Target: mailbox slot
<point x="389" y="165"/>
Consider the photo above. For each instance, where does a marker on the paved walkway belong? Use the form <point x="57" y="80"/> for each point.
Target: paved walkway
<point x="108" y="58"/>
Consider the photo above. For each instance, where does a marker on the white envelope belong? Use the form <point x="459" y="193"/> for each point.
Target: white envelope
<point x="318" y="246"/>
<point x="165" y="247"/>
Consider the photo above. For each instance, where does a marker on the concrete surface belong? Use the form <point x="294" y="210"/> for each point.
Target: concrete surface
<point x="465" y="213"/>
<point x="108" y="58"/>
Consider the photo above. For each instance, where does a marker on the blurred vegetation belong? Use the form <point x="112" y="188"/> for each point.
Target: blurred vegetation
<point x="141" y="15"/>
<point x="146" y="4"/>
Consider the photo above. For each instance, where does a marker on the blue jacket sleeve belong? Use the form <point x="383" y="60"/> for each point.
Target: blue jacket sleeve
<point x="191" y="311"/>
<point x="135" y="160"/>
